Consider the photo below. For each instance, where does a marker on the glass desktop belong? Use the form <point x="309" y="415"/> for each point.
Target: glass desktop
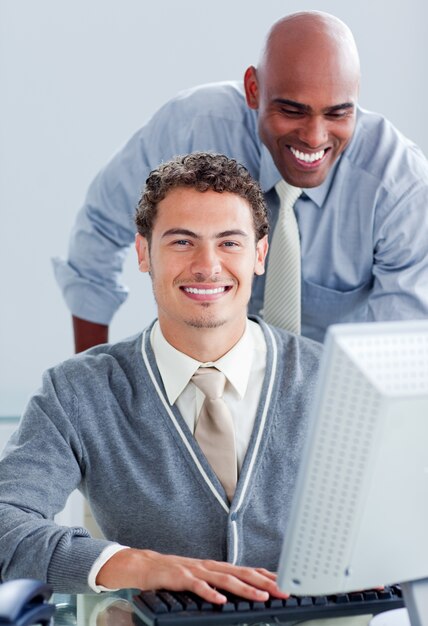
<point x="116" y="609"/>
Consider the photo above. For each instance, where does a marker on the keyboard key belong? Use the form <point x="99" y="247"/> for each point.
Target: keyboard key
<point x="153" y="601"/>
<point x="320" y="601"/>
<point x="204" y="605"/>
<point x="242" y="605"/>
<point x="370" y="595"/>
<point x="229" y="607"/>
<point x="258" y="606"/>
<point x="189" y="602"/>
<point x="173" y="604"/>
<point x="341" y="598"/>
<point x="356" y="597"/>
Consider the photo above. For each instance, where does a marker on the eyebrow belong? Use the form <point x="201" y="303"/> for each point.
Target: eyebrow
<point x="189" y="233"/>
<point x="307" y="108"/>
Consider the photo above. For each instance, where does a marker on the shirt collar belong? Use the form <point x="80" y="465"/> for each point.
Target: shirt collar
<point x="319" y="194"/>
<point x="176" y="369"/>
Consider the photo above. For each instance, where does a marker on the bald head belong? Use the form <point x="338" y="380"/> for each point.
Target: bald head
<point x="305" y="89"/>
<point x="311" y="37"/>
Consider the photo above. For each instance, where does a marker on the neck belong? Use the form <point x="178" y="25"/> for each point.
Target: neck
<point x="203" y="344"/>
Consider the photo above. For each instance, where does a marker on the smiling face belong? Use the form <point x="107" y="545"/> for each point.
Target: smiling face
<point x="202" y="259"/>
<point x="305" y="90"/>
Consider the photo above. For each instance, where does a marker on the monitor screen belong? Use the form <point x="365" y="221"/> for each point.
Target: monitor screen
<point x="360" y="511"/>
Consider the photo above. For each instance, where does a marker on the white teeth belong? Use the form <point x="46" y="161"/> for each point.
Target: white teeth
<point x="308" y="158"/>
<point x="205" y="292"/>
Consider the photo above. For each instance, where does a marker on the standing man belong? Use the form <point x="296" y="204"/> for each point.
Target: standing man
<point x="186" y="438"/>
<point x="362" y="212"/>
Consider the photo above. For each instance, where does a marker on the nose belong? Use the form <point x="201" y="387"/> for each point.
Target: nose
<point x="205" y="263"/>
<point x="314" y="131"/>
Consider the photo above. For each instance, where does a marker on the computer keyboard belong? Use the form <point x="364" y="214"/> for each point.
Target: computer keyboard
<point x="168" y="608"/>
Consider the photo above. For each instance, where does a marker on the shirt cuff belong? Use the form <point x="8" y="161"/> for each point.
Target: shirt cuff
<point x="102" y="559"/>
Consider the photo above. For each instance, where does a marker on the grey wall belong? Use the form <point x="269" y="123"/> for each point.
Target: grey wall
<point x="77" y="77"/>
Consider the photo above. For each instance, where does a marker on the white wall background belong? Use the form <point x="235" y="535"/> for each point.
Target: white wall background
<point x="77" y="77"/>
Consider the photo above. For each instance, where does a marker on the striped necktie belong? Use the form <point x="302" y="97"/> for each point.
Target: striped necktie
<point x="282" y="306"/>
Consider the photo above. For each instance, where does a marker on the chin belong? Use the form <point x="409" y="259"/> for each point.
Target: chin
<point x="307" y="182"/>
<point x="201" y="322"/>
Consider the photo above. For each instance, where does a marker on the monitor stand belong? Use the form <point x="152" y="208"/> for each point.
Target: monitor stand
<point x="415" y="594"/>
<point x="396" y="617"/>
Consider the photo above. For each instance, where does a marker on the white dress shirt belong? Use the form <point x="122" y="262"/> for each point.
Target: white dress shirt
<point x="244" y="368"/>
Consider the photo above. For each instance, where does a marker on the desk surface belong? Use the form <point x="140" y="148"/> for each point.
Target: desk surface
<point x="115" y="609"/>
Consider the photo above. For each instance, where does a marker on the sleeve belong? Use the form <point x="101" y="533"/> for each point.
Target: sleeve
<point x="40" y="466"/>
<point x="90" y="278"/>
<point x="207" y="118"/>
<point x="400" y="288"/>
<point x="105" y="556"/>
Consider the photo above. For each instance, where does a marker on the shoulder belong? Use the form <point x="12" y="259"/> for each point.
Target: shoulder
<point x="212" y="117"/>
<point x="383" y="152"/>
<point x="106" y="363"/>
<point x="207" y="114"/>
<point x="306" y="352"/>
<point x="292" y="351"/>
<point x="218" y="99"/>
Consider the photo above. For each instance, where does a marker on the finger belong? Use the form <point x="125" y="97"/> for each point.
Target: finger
<point x="260" y="578"/>
<point x="182" y="578"/>
<point x="266" y="572"/>
<point x="206" y="592"/>
<point x="202" y="577"/>
<point x="233" y="584"/>
<point x="275" y="591"/>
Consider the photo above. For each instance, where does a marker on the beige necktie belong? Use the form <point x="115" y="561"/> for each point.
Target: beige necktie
<point x="282" y="290"/>
<point x="214" y="430"/>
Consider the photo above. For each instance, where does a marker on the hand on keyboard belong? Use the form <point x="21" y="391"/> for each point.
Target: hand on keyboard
<point x="145" y="569"/>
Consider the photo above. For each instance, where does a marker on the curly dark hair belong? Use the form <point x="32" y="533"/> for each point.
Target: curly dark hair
<point x="201" y="171"/>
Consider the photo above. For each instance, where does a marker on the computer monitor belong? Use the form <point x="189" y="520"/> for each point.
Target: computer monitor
<point x="360" y="511"/>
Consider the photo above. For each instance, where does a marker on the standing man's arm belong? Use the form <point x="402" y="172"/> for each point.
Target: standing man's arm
<point x="208" y="118"/>
<point x="88" y="334"/>
<point x="90" y="277"/>
<point x="400" y="267"/>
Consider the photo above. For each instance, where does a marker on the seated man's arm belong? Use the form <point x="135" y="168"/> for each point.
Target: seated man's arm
<point x="40" y="466"/>
<point x="145" y="569"/>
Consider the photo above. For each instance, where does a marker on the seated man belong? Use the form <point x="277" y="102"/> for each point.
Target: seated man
<point x="169" y="465"/>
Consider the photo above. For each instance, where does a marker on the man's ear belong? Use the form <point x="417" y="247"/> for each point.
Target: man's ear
<point x="251" y="87"/>
<point x="142" y="248"/>
<point x="261" y="252"/>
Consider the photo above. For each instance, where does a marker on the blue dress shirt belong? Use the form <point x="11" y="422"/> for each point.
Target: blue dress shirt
<point x="364" y="231"/>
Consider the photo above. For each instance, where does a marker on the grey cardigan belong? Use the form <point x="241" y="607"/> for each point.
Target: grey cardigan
<point x="101" y="423"/>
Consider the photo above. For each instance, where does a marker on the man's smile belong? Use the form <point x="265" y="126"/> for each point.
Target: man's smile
<point x="311" y="159"/>
<point x="205" y="291"/>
